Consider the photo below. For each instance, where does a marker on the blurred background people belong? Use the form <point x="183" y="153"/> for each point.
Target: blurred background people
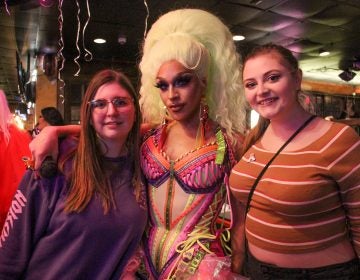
<point x="14" y="144"/>
<point x="48" y="116"/>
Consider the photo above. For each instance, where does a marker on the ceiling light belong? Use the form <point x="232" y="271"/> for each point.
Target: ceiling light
<point x="347" y="75"/>
<point x="99" y="41"/>
<point x="323" y="52"/>
<point x="238" y="38"/>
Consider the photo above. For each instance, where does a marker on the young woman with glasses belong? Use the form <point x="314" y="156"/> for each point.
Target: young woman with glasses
<point x="87" y="221"/>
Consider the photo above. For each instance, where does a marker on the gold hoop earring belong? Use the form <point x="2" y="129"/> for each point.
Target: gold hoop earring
<point x="203" y="116"/>
<point x="204" y="112"/>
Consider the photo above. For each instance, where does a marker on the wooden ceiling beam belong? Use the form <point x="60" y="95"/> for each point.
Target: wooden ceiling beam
<point x="330" y="88"/>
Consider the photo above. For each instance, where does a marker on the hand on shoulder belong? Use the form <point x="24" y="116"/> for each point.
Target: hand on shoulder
<point x="44" y="144"/>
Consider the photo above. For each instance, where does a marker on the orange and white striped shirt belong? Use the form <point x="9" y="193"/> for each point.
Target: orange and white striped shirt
<point x="304" y="198"/>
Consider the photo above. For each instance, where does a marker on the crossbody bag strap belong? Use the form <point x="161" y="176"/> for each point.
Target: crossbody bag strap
<point x="252" y="190"/>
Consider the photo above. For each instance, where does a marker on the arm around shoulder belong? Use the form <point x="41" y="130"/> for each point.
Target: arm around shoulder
<point x="46" y="143"/>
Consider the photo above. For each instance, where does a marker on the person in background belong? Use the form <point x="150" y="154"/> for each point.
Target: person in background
<point x="49" y="116"/>
<point x="14" y="144"/>
<point x="191" y="91"/>
<point x="301" y="202"/>
<point x="87" y="221"/>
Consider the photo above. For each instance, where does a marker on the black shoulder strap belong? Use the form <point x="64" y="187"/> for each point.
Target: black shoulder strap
<point x="272" y="159"/>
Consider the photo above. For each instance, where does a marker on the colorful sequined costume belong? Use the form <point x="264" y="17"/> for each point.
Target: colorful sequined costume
<point x="181" y="234"/>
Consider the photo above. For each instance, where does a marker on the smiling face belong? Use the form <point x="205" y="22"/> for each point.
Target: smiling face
<point x="181" y="91"/>
<point x="271" y="85"/>
<point x="112" y="114"/>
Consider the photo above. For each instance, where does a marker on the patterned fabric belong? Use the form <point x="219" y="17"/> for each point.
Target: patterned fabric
<point x="308" y="199"/>
<point x="182" y="233"/>
<point x="195" y="172"/>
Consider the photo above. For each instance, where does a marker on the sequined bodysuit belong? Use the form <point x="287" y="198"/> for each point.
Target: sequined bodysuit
<point x="185" y="198"/>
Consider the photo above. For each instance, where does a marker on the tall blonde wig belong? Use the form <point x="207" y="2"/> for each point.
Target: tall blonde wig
<point x="5" y="117"/>
<point x="201" y="42"/>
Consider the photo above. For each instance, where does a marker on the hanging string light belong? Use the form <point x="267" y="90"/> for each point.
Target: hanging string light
<point x="77" y="39"/>
<point x="147" y="17"/>
<point x="88" y="55"/>
<point x="60" y="55"/>
<point x="6" y="7"/>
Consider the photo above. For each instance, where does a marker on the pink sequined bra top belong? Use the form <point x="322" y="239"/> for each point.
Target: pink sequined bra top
<point x="201" y="170"/>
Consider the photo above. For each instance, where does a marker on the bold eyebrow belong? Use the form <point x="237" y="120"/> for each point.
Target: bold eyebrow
<point x="265" y="74"/>
<point x="176" y="76"/>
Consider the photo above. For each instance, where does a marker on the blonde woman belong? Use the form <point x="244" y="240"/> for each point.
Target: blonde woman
<point x="191" y="83"/>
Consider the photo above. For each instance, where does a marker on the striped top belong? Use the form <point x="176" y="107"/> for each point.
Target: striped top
<point x="296" y="207"/>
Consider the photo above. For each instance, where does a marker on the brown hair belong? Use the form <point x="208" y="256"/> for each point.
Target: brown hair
<point x="292" y="64"/>
<point x="87" y="174"/>
<point x="285" y="53"/>
<point x="52" y="116"/>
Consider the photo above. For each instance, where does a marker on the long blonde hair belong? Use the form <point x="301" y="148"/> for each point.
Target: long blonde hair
<point x="201" y="42"/>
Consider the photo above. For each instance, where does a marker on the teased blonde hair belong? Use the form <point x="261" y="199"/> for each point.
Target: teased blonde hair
<point x="201" y="42"/>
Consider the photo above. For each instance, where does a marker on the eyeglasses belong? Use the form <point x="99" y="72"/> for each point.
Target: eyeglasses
<point x="120" y="103"/>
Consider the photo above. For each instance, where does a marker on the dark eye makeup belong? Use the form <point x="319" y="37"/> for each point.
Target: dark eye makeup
<point x="180" y="81"/>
